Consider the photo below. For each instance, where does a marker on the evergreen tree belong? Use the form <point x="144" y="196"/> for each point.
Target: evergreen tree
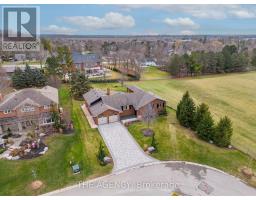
<point x="253" y="59"/>
<point x="175" y="65"/>
<point x="201" y="110"/>
<point x="18" y="79"/>
<point x="205" y="128"/>
<point x="186" y="111"/>
<point x="79" y="85"/>
<point x="154" y="142"/>
<point x="223" y="132"/>
<point x="101" y="154"/>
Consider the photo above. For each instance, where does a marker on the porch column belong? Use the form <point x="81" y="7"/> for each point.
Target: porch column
<point x="19" y="126"/>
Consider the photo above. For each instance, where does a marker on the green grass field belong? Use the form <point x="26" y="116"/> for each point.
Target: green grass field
<point x="53" y="168"/>
<point x="178" y="143"/>
<point x="233" y="95"/>
<point x="151" y="73"/>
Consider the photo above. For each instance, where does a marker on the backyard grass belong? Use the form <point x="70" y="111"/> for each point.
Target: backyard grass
<point x="53" y="168"/>
<point x="153" y="73"/>
<point x="232" y="95"/>
<point x="178" y="143"/>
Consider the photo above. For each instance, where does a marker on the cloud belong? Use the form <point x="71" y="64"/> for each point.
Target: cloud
<point x="181" y="22"/>
<point x="243" y="14"/>
<point x="211" y="11"/>
<point x="187" y="32"/>
<point x="58" y="29"/>
<point x="111" y="20"/>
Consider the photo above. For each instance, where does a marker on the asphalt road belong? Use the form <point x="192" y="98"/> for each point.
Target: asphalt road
<point x="162" y="178"/>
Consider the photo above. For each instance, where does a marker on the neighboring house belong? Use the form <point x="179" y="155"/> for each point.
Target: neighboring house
<point x="149" y="63"/>
<point x="20" y="57"/>
<point x="106" y="107"/>
<point x="27" y="108"/>
<point x="10" y="69"/>
<point x="86" y="61"/>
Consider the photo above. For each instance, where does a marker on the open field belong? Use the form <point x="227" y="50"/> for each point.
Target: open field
<point x="53" y="168"/>
<point x="151" y="73"/>
<point x="233" y="95"/>
<point x="178" y="143"/>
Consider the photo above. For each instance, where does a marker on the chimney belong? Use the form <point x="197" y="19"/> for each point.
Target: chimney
<point x="108" y="91"/>
<point x="1" y="97"/>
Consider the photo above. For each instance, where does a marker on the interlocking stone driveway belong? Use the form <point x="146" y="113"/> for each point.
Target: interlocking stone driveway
<point x="123" y="148"/>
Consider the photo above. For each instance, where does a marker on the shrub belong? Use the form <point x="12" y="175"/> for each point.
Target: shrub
<point x="186" y="111"/>
<point x="101" y="154"/>
<point x="205" y="128"/>
<point x="223" y="132"/>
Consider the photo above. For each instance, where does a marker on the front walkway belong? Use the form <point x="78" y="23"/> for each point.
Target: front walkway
<point x="125" y="151"/>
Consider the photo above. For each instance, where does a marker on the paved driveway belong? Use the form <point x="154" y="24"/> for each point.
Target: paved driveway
<point x="124" y="149"/>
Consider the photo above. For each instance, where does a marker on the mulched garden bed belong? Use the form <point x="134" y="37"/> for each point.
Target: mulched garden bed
<point x="147" y="132"/>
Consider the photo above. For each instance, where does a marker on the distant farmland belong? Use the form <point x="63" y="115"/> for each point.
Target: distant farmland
<point x="233" y="95"/>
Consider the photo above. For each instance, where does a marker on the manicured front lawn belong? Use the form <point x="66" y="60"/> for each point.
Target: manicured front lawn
<point x="178" y="143"/>
<point x="53" y="168"/>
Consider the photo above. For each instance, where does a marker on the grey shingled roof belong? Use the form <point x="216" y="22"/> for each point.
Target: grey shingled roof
<point x="99" y="108"/>
<point x="138" y="98"/>
<point x="93" y="95"/>
<point x="38" y="96"/>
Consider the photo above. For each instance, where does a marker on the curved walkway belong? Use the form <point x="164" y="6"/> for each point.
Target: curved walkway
<point x="163" y="178"/>
<point x="123" y="148"/>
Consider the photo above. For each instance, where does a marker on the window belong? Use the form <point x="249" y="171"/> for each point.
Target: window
<point x="47" y="120"/>
<point x="46" y="107"/>
<point x="127" y="107"/>
<point x="7" y="111"/>
<point x="28" y="109"/>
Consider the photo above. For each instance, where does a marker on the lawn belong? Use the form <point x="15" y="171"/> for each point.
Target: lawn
<point x="53" y="168"/>
<point x="178" y="143"/>
<point x="233" y="95"/>
<point x="153" y="73"/>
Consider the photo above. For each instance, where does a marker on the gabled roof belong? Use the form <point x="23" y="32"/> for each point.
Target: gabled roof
<point x="44" y="96"/>
<point x="99" y="108"/>
<point x="138" y="98"/>
<point x="85" y="58"/>
<point x="93" y="95"/>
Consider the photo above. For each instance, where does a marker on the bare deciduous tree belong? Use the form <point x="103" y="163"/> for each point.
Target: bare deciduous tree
<point x="149" y="114"/>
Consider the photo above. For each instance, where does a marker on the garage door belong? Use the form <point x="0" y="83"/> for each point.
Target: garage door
<point x="102" y="120"/>
<point x="113" y="118"/>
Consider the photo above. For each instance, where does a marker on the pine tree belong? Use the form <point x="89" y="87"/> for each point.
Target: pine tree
<point x="79" y="85"/>
<point x="205" y="128"/>
<point x="101" y="154"/>
<point x="186" y="111"/>
<point x="223" y="132"/>
<point x="200" y="111"/>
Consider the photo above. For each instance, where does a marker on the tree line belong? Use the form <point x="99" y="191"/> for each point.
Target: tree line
<point x="230" y="59"/>
<point x="200" y="120"/>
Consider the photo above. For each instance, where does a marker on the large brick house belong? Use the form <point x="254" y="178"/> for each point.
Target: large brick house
<point x="27" y="108"/>
<point x="106" y="107"/>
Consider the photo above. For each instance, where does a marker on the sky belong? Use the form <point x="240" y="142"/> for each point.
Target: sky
<point x="147" y="19"/>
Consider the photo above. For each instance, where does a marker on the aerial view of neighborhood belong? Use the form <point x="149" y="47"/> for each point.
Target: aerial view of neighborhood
<point x="128" y="100"/>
